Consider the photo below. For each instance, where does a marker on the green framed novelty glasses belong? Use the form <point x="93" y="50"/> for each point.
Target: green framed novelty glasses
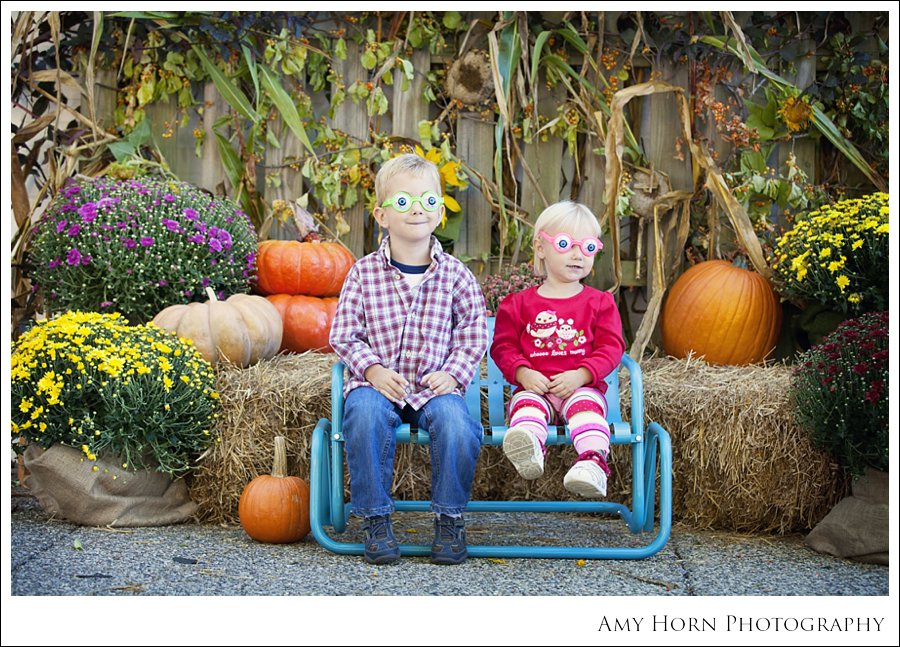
<point x="403" y="202"/>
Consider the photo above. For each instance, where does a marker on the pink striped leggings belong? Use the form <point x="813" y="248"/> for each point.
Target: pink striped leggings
<point x="584" y="411"/>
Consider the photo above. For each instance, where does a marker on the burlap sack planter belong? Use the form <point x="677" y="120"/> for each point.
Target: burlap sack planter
<point x="857" y="527"/>
<point x="67" y="487"/>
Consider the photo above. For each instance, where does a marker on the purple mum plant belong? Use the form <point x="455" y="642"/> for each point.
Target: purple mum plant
<point x="510" y="279"/>
<point x="139" y="245"/>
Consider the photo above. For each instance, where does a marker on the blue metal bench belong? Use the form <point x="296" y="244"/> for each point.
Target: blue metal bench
<point x="649" y="447"/>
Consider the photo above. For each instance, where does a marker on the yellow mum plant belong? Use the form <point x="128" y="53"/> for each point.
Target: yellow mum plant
<point x="837" y="256"/>
<point x="92" y="382"/>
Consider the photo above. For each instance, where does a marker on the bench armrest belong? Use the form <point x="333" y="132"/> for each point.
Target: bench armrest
<point x="337" y="396"/>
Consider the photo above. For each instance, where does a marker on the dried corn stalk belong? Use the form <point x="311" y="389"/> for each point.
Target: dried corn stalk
<point x="714" y="182"/>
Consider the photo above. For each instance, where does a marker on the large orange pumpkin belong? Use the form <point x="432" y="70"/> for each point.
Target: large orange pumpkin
<point x="275" y="508"/>
<point x="242" y="329"/>
<point x="730" y="315"/>
<point x="291" y="267"/>
<point x="306" y="321"/>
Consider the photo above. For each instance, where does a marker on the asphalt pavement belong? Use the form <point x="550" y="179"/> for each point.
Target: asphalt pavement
<point x="49" y="557"/>
<point x="52" y="557"/>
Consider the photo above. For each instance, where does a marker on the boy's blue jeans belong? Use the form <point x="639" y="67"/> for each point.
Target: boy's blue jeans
<point x="369" y="423"/>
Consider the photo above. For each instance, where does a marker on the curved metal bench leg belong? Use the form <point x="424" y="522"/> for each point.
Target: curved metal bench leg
<point x="639" y="466"/>
<point x="338" y="509"/>
<point x="650" y="473"/>
<point x="323" y="509"/>
<point x="319" y="480"/>
<point x="658" y="440"/>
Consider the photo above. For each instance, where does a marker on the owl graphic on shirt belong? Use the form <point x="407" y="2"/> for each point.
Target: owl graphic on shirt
<point x="543" y="327"/>
<point x="567" y="334"/>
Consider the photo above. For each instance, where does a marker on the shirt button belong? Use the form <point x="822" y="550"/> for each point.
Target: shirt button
<point x="397" y="277"/>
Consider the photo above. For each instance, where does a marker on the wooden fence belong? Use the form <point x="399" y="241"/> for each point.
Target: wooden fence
<point x="655" y="124"/>
<point x="551" y="162"/>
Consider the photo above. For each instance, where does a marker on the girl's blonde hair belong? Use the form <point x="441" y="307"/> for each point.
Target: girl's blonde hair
<point x="406" y="163"/>
<point x="564" y="216"/>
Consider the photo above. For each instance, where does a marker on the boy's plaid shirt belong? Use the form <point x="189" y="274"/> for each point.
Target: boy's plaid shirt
<point x="439" y="326"/>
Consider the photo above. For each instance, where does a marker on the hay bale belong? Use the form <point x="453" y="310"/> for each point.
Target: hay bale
<point x="285" y="396"/>
<point x="740" y="462"/>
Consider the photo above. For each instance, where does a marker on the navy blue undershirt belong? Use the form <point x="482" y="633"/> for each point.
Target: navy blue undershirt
<point x="410" y="269"/>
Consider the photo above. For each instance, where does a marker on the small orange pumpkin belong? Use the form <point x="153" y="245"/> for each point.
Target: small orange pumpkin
<point x="730" y="315"/>
<point x="274" y="509"/>
<point x="243" y="329"/>
<point x="291" y="267"/>
<point x="306" y="321"/>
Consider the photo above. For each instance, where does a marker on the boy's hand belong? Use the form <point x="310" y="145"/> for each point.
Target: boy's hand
<point x="532" y="380"/>
<point x="440" y="382"/>
<point x="564" y="384"/>
<point x="388" y="383"/>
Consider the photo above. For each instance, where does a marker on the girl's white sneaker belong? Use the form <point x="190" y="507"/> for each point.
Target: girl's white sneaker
<point x="524" y="451"/>
<point x="587" y="479"/>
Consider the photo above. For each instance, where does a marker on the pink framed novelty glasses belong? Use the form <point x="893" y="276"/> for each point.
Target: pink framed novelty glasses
<point x="564" y="243"/>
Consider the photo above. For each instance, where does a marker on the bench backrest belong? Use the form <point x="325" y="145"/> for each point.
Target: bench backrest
<point x="496" y="388"/>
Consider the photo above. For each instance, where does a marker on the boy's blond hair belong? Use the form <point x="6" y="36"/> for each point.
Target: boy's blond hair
<point x="406" y="163"/>
<point x="564" y="216"/>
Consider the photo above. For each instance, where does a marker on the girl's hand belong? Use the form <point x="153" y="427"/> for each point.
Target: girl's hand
<point x="564" y="384"/>
<point x="532" y="380"/>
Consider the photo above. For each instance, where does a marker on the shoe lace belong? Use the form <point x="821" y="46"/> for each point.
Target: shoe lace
<point x="379" y="528"/>
<point x="594" y="457"/>
<point x="447" y="529"/>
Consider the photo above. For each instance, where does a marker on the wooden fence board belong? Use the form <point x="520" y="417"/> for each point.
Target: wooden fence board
<point x="354" y="120"/>
<point x="593" y="185"/>
<point x="475" y="147"/>
<point x="175" y="143"/>
<point x="410" y="105"/>
<point x="105" y="98"/>
<point x="288" y="181"/>
<point x="212" y="173"/>
<point x="663" y="129"/>
<point x="544" y="158"/>
<point x="804" y="149"/>
<point x="289" y="184"/>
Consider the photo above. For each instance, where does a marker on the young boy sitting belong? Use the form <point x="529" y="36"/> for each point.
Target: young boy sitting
<point x="410" y="327"/>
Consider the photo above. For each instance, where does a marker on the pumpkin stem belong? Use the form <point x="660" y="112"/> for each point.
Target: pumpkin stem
<point x="211" y="294"/>
<point x="279" y="465"/>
